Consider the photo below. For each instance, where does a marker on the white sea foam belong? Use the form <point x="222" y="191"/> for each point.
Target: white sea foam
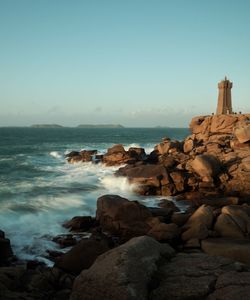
<point x="148" y="147"/>
<point x="36" y="215"/>
<point x="117" y="185"/>
<point x="55" y="154"/>
<point x="133" y="145"/>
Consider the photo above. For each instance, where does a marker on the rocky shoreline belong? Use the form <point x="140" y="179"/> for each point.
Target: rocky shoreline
<point x="130" y="251"/>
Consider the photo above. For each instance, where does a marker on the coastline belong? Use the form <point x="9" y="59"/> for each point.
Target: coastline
<point x="209" y="170"/>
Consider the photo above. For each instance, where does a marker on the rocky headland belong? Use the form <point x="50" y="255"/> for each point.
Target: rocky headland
<point x="213" y="160"/>
<point x="130" y="251"/>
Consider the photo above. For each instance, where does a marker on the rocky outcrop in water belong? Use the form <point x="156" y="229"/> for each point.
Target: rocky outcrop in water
<point x="6" y="253"/>
<point x="213" y="160"/>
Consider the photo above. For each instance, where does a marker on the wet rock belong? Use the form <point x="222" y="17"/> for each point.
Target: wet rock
<point x="82" y="255"/>
<point x="116" y="155"/>
<point x="169" y="205"/>
<point x="122" y="217"/>
<point x="87" y="155"/>
<point x="6" y="253"/>
<point x="137" y="153"/>
<point x="65" y="240"/>
<point x="82" y="156"/>
<point x="52" y="254"/>
<point x="2" y="234"/>
<point x="80" y="223"/>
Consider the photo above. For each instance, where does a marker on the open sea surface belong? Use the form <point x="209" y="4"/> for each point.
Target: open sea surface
<point x="39" y="190"/>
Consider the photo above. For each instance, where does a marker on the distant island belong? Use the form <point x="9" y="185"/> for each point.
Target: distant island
<point x="46" y="126"/>
<point x="100" y="126"/>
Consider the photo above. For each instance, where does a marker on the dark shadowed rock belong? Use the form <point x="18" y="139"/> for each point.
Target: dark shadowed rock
<point x="126" y="219"/>
<point x="82" y="156"/>
<point x="137" y="153"/>
<point x="226" y="227"/>
<point x="198" y="224"/>
<point x="234" y="221"/>
<point x="236" y="249"/>
<point x="6" y="253"/>
<point x="164" y="232"/>
<point x="65" y="240"/>
<point x="2" y="234"/>
<point x="87" y="155"/>
<point x="180" y="218"/>
<point x="232" y="292"/>
<point x="122" y="217"/>
<point x="34" y="284"/>
<point x="232" y="286"/>
<point x="80" y="223"/>
<point x="189" y="276"/>
<point x="82" y="255"/>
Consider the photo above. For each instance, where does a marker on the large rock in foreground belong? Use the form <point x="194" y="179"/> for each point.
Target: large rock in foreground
<point x="123" y="273"/>
<point x="196" y="276"/>
<point x="145" y="269"/>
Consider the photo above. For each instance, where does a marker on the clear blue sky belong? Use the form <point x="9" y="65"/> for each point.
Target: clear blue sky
<point x="134" y="62"/>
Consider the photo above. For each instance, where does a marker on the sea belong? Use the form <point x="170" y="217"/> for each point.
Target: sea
<point x="40" y="190"/>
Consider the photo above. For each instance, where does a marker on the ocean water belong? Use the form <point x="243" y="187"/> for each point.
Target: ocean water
<point x="39" y="190"/>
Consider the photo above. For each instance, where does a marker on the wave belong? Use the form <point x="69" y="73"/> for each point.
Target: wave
<point x="118" y="185"/>
<point x="55" y="154"/>
<point x="45" y="202"/>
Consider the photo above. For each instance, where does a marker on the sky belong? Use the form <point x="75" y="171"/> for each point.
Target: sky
<point x="135" y="62"/>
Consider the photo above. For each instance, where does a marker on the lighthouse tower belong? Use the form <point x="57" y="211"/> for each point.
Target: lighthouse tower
<point x="224" y="99"/>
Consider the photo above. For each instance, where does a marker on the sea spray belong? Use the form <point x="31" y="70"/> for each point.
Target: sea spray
<point x="39" y="190"/>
